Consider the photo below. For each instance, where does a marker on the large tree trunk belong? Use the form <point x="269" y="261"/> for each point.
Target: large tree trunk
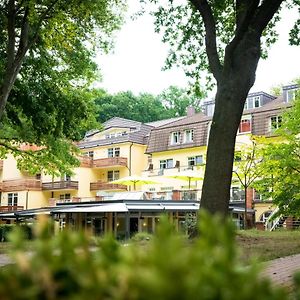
<point x="237" y="78"/>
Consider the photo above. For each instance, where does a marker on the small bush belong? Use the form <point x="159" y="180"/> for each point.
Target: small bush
<point x="141" y="237"/>
<point x="63" y="267"/>
<point x="5" y="229"/>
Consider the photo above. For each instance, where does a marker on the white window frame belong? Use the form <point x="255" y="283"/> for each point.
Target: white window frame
<point x="115" y="175"/>
<point x="195" y="160"/>
<point x="113" y="152"/>
<point x="166" y="164"/>
<point x="189" y="135"/>
<point x="12" y="199"/>
<point x="175" y="138"/>
<point x="274" y="125"/>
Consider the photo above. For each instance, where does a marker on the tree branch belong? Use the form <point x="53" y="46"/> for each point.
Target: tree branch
<point x="210" y="38"/>
<point x="265" y="13"/>
<point x="11" y="21"/>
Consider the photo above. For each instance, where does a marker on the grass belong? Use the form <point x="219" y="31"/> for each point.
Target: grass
<point x="266" y="245"/>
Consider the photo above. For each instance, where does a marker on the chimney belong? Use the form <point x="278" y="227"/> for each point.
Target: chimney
<point x="190" y="111"/>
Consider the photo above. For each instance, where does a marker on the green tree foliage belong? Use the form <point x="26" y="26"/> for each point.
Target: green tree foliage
<point x="223" y="39"/>
<point x="247" y="168"/>
<point x="176" y="100"/>
<point x="281" y="165"/>
<point x="143" y="108"/>
<point x="172" y="102"/>
<point x="46" y="65"/>
<point x="63" y="267"/>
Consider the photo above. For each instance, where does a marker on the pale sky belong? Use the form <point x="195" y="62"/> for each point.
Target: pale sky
<point x="139" y="55"/>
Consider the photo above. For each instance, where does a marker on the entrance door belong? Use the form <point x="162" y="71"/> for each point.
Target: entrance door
<point x="134" y="226"/>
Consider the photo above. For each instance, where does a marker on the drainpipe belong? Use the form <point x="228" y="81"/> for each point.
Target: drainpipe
<point x="27" y="199"/>
<point x="129" y="168"/>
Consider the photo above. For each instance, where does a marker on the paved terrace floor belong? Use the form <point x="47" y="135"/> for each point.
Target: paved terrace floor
<point x="281" y="270"/>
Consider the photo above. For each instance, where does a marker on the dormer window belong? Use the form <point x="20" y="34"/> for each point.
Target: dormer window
<point x="275" y="122"/>
<point x="252" y="102"/>
<point x="188" y="135"/>
<point x="291" y="95"/>
<point x="175" y="138"/>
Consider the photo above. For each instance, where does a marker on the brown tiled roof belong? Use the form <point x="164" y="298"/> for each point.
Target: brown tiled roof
<point x="261" y="116"/>
<point x="159" y="139"/>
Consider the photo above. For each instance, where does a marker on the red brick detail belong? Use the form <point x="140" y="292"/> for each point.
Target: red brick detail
<point x="176" y="195"/>
<point x="250" y="195"/>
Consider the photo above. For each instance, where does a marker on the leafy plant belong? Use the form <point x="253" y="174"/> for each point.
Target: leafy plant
<point x="63" y="267"/>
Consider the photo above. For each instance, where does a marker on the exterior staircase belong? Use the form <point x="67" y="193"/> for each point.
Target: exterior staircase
<point x="281" y="221"/>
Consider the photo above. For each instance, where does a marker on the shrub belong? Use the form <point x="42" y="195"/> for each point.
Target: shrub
<point x="142" y="237"/>
<point x="63" y="267"/>
<point x="5" y="229"/>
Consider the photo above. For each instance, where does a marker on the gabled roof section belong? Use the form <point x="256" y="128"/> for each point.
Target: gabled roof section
<point x="164" y="122"/>
<point x="121" y="123"/>
<point x="198" y="117"/>
<point x="135" y="133"/>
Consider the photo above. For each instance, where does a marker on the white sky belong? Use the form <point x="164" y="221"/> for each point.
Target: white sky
<point x="139" y="55"/>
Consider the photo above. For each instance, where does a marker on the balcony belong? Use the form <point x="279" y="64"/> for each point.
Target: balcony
<point x="60" y="185"/>
<point x="85" y="161"/>
<point x="106" y="186"/>
<point x="9" y="208"/>
<point x="29" y="184"/>
<point x="110" y="162"/>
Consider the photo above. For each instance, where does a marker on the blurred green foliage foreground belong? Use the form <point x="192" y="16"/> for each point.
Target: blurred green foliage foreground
<point x="168" y="267"/>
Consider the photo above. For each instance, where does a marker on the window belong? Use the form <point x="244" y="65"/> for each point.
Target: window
<point x="236" y="194"/>
<point x="115" y="134"/>
<point x="275" y="122"/>
<point x="67" y="178"/>
<point x="188" y="135"/>
<point x="291" y="94"/>
<point x="175" y="138"/>
<point x="90" y="154"/>
<point x="113" y="175"/>
<point x="65" y="198"/>
<point x="245" y="126"/>
<point x="113" y="152"/>
<point x="195" y="160"/>
<point x="38" y="176"/>
<point x="12" y="199"/>
<point x="166" y="164"/>
<point x="252" y="102"/>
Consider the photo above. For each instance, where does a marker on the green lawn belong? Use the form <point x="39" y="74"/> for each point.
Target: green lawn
<point x="266" y="245"/>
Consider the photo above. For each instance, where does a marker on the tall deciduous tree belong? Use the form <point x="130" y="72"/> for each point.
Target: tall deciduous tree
<point x="225" y="38"/>
<point x="46" y="64"/>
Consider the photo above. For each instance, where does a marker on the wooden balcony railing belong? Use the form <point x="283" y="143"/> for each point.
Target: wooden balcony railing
<point x="110" y="162"/>
<point x="95" y="186"/>
<point x="85" y="161"/>
<point x="29" y="184"/>
<point x="11" y="208"/>
<point x="60" y="185"/>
